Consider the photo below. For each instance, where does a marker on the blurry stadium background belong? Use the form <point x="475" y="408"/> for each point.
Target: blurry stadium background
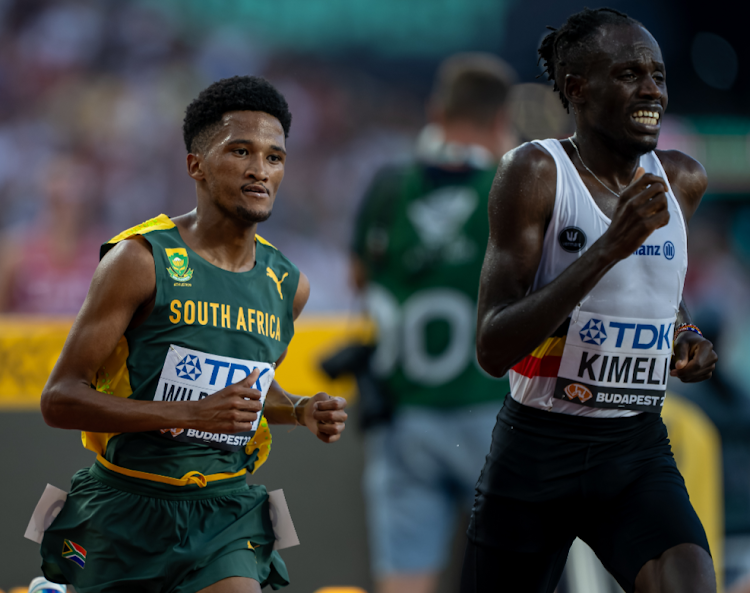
<point x="92" y="94"/>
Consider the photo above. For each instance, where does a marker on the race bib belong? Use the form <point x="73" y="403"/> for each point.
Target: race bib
<point x="190" y="375"/>
<point x="616" y="362"/>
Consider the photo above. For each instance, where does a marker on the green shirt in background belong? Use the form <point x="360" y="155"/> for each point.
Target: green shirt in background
<point x="421" y="234"/>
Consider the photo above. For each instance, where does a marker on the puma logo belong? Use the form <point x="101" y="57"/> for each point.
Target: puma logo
<point x="272" y="276"/>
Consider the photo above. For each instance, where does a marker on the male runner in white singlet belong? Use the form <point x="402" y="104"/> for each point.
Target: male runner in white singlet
<point x="581" y="300"/>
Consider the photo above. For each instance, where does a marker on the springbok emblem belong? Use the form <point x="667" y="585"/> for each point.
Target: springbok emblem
<point x="270" y="273"/>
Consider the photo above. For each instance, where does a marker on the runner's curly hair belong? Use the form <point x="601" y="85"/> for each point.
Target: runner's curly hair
<point x="239" y="93"/>
<point x="567" y="48"/>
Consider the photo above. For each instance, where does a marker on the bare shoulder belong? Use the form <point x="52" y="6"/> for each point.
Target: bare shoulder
<point x="687" y="177"/>
<point x="525" y="183"/>
<point x="302" y="295"/>
<point x="681" y="168"/>
<point x="127" y="270"/>
<point x="528" y="158"/>
<point x="133" y="253"/>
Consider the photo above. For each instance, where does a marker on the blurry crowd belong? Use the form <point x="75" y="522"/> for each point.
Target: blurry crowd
<point x="92" y="96"/>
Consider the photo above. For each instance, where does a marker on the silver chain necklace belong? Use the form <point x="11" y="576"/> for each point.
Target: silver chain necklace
<point x="578" y="152"/>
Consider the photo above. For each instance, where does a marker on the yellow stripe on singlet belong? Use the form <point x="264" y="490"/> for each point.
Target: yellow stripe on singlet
<point x="159" y="223"/>
<point x="189" y="478"/>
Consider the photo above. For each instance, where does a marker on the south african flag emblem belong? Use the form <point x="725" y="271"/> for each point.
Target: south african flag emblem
<point x="72" y="551"/>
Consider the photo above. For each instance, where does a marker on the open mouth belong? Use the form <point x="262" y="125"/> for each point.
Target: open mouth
<point x="647" y="118"/>
<point x="254" y="189"/>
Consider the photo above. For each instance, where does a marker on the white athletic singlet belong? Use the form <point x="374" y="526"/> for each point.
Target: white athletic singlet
<point x="611" y="358"/>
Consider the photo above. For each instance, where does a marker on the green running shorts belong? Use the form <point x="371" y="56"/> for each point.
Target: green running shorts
<point x="119" y="535"/>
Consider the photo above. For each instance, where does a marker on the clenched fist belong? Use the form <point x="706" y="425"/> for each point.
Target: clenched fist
<point x="325" y="416"/>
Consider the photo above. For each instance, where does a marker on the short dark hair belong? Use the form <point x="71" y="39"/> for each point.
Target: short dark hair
<point x="473" y="86"/>
<point x="239" y="93"/>
<point x="568" y="47"/>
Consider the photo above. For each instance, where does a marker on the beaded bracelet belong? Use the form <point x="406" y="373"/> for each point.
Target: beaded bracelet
<point x="687" y="327"/>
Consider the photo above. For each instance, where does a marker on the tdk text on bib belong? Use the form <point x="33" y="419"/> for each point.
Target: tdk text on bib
<point x="614" y="362"/>
<point x="191" y="375"/>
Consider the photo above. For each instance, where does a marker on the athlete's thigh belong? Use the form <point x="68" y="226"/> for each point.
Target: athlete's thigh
<point x="233" y="585"/>
<point x="686" y="568"/>
<point x="489" y="569"/>
<point x="648" y="518"/>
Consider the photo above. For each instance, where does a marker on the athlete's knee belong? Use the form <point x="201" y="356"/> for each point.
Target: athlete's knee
<point x="685" y="568"/>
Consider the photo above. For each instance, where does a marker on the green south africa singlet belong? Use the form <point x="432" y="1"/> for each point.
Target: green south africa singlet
<point x="422" y="234"/>
<point x="209" y="328"/>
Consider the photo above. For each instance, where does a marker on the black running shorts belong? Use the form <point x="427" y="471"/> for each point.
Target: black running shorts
<point x="551" y="477"/>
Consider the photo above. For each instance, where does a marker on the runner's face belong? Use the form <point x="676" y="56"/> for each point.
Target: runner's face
<point x="244" y="165"/>
<point x="627" y="89"/>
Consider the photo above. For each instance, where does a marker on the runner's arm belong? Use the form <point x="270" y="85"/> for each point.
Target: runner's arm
<point x="322" y="414"/>
<point x="123" y="288"/>
<point x="511" y="322"/>
<point x="694" y="358"/>
<point x="688" y="180"/>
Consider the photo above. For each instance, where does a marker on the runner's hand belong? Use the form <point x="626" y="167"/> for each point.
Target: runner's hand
<point x="325" y="416"/>
<point x="231" y="410"/>
<point x="694" y="358"/>
<point x="641" y="209"/>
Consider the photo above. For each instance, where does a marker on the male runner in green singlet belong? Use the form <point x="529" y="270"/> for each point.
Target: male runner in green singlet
<point x="184" y="324"/>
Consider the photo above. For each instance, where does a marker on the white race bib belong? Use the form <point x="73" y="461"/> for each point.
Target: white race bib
<point x="191" y="375"/>
<point x="616" y="362"/>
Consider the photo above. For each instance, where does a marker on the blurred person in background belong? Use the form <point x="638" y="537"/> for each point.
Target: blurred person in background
<point x="417" y="255"/>
<point x="46" y="266"/>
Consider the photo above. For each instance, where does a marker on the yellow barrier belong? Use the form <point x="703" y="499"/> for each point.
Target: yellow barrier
<point x="30" y="346"/>
<point x="315" y="338"/>
<point x="697" y="450"/>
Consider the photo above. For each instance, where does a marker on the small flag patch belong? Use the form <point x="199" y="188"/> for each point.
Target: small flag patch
<point x="72" y="551"/>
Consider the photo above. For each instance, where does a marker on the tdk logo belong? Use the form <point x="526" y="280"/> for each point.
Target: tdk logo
<point x="593" y="332"/>
<point x="667" y="250"/>
<point x="189" y="368"/>
<point x="635" y="336"/>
